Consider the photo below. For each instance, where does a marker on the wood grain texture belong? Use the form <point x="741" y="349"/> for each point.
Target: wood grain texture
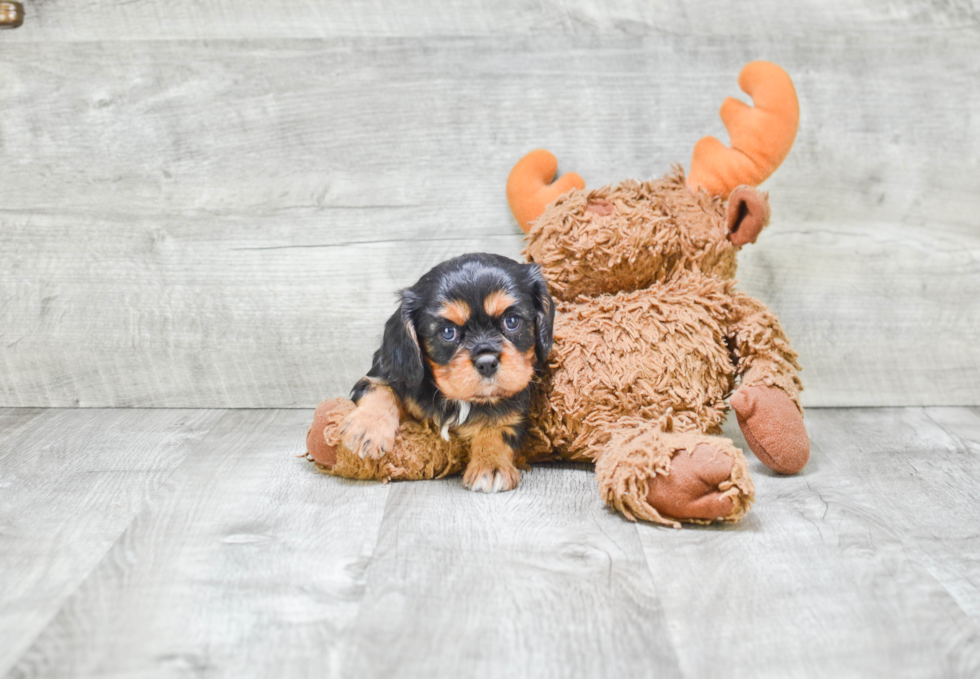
<point x="88" y="20"/>
<point x="540" y="582"/>
<point x="928" y="492"/>
<point x="247" y="563"/>
<point x="70" y="484"/>
<point x="198" y="223"/>
<point x="863" y="565"/>
<point x="228" y="556"/>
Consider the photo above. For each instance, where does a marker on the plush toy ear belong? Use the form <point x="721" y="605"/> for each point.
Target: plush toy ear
<point x="748" y="214"/>
<point x="400" y="357"/>
<point x="544" y="317"/>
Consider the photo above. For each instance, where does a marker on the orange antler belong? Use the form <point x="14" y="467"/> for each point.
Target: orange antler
<point x="528" y="187"/>
<point x="761" y="135"/>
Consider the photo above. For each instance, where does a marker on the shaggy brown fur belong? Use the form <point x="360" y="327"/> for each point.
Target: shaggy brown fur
<point x="640" y="453"/>
<point x="656" y="228"/>
<point x="419" y="452"/>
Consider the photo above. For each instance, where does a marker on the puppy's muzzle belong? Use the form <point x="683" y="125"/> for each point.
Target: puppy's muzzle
<point x="486" y="364"/>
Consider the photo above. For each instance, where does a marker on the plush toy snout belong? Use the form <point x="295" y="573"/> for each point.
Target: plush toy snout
<point x="747" y="215"/>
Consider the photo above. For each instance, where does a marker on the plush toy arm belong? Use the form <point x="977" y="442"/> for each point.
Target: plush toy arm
<point x="763" y="354"/>
<point x="767" y="402"/>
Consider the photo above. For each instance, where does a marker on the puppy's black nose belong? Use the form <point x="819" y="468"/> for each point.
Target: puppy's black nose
<point x="487" y="364"/>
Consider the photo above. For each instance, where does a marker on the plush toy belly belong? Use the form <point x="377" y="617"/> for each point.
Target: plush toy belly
<point x="659" y="354"/>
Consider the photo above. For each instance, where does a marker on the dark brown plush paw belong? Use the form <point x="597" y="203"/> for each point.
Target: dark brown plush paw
<point x="318" y="448"/>
<point x="773" y="428"/>
<point x="691" y="489"/>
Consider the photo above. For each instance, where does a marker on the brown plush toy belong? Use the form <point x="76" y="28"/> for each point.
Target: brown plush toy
<point x="651" y="335"/>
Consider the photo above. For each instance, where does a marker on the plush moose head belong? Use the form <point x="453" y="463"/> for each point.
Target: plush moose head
<point x="633" y="234"/>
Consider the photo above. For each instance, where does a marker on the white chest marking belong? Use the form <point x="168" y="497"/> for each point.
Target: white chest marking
<point x="461" y="416"/>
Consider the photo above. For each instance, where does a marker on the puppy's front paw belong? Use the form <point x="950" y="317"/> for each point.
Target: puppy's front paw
<point x="368" y="434"/>
<point x="491" y="478"/>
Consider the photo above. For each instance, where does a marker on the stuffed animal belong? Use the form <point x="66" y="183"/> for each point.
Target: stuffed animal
<point x="651" y="335"/>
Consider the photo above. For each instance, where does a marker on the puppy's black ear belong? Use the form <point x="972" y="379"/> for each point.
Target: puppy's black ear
<point x="399" y="360"/>
<point x="544" y="317"/>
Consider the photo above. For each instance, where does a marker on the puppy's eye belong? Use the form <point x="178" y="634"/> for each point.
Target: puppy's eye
<point x="512" y="322"/>
<point x="448" y="333"/>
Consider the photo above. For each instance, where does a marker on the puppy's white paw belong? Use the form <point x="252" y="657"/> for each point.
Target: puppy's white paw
<point x="367" y="434"/>
<point x="491" y="479"/>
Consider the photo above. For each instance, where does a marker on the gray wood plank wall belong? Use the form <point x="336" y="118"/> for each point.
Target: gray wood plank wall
<point x="210" y="204"/>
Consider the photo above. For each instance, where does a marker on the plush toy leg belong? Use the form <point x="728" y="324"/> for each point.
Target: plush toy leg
<point x="419" y="451"/>
<point x="669" y="478"/>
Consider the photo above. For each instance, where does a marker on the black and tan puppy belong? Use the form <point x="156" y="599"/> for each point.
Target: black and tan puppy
<point x="462" y="350"/>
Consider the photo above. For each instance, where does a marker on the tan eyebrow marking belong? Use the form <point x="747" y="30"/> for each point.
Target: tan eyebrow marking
<point x="455" y="310"/>
<point x="498" y="302"/>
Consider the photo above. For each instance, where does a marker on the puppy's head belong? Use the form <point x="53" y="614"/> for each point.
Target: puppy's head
<point x="480" y="324"/>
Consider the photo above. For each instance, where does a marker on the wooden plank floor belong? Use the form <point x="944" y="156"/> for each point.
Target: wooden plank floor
<point x="145" y="543"/>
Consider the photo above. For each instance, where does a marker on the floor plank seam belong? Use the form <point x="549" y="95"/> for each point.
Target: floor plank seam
<point x="67" y="599"/>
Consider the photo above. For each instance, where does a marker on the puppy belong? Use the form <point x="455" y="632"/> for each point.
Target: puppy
<point x="462" y="350"/>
